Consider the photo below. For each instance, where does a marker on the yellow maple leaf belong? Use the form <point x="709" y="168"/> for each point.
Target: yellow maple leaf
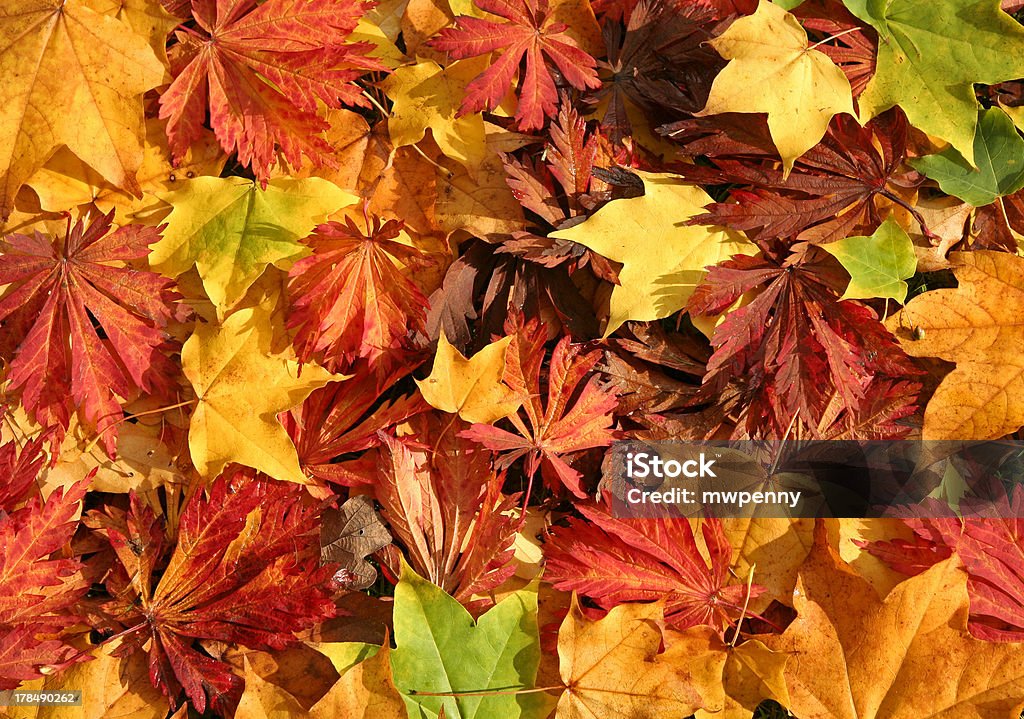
<point x="662" y="260"/>
<point x="978" y="326"/>
<point x="425" y="95"/>
<point x="472" y="387"/>
<point x="772" y="70"/>
<point x="853" y="655"/>
<point x="612" y="668"/>
<point x="241" y="387"/>
<point x="73" y="77"/>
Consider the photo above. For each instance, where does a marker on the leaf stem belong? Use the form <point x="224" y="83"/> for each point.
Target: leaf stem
<point x="486" y="692"/>
<point x="833" y="37"/>
<point x="89" y="447"/>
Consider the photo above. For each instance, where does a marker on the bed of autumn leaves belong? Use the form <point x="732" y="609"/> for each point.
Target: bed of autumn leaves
<point x="318" y="318"/>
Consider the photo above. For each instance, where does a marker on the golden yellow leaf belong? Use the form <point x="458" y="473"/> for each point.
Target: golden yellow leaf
<point x="264" y="700"/>
<point x="426" y="95"/>
<point x="662" y="260"/>
<point x="241" y="387"/>
<point x="470" y="387"/>
<point x="366" y="691"/>
<point x="65" y="181"/>
<point x="73" y="77"/>
<point x="978" y="326"/>
<point x="853" y="655"/>
<point x="772" y="70"/>
<point x="110" y="686"/>
<point x="611" y="667"/>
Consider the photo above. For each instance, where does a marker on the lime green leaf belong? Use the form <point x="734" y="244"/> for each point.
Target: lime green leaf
<point x="879" y="264"/>
<point x="930" y="54"/>
<point x="231" y="230"/>
<point x="662" y="259"/>
<point x="442" y="650"/>
<point x="998" y="153"/>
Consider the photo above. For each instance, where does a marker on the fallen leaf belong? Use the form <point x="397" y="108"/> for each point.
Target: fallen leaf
<point x="499" y="651"/>
<point x="879" y="265"/>
<point x="772" y="70"/>
<point x="881" y="651"/>
<point x="612" y="666"/>
<point x="231" y="230"/>
<point x="471" y="388"/>
<point x="74" y="77"/>
<point x="977" y="326"/>
<point x="662" y="261"/>
<point x="230" y="424"/>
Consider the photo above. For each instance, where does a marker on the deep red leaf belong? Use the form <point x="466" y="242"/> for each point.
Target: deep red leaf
<point x="89" y="325"/>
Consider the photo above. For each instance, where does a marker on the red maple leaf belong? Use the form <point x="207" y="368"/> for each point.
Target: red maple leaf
<point x="245" y="569"/>
<point x="18" y="472"/>
<point x="337" y="420"/>
<point x="828" y="195"/>
<point x="614" y="560"/>
<point x="89" y="326"/>
<point x="446" y="507"/>
<point x="575" y="417"/>
<point x="991" y="549"/>
<point x="531" y="32"/>
<point x="260" y="69"/>
<point x="350" y="300"/>
<point x="37" y="592"/>
<point x="795" y="347"/>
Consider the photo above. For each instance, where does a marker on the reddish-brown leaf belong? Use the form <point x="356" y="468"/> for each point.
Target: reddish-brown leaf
<point x="445" y="506"/>
<point x="795" y="348"/>
<point x="37" y="593"/>
<point x="349" y="299"/>
<point x="577" y="416"/>
<point x="18" y="472"/>
<point x="337" y="420"/>
<point x="245" y="569"/>
<point x="259" y="69"/>
<point x="88" y="324"/>
<point x="530" y="32"/>
<point x="829" y="192"/>
<point x="614" y="560"/>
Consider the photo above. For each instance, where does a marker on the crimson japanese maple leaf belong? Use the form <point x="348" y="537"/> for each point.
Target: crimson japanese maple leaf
<point x="38" y="590"/>
<point x="529" y="32"/>
<point x="18" y="471"/>
<point x="829" y="193"/>
<point x="443" y="503"/>
<point x="577" y="415"/>
<point x="337" y="420"/>
<point x="259" y="69"/>
<point x="796" y="348"/>
<point x="614" y="560"/>
<point x="245" y="569"/>
<point x="88" y="326"/>
<point x="991" y="549"/>
<point x="350" y="300"/>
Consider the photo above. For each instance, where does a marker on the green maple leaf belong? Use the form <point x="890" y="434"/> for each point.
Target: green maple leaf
<point x="930" y="54"/>
<point x="441" y="649"/>
<point x="999" y="154"/>
<point x="231" y="230"/>
<point x="879" y="264"/>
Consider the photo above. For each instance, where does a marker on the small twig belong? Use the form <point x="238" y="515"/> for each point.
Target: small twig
<point x="746" y="602"/>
